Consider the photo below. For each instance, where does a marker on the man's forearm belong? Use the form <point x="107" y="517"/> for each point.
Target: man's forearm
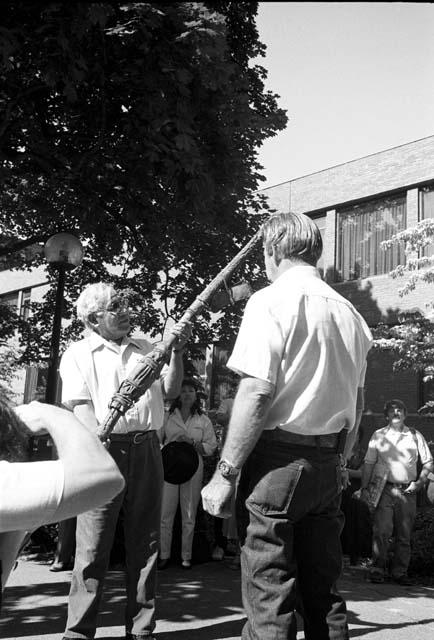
<point x="366" y="474"/>
<point x="353" y="434"/>
<point x="85" y="412"/>
<point x="426" y="470"/>
<point x="175" y="373"/>
<point x="249" y="412"/>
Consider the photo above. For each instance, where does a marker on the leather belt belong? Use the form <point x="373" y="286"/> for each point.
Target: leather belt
<point x="332" y="441"/>
<point x="134" y="437"/>
<point x="402" y="486"/>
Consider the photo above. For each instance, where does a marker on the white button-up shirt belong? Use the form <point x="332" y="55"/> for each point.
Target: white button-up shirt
<point x="93" y="369"/>
<point x="311" y="344"/>
<point x="197" y="427"/>
<point x="399" y="451"/>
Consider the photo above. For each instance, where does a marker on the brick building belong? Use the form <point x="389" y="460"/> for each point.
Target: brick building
<point x="357" y="205"/>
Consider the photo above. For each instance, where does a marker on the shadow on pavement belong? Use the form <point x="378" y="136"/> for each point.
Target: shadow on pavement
<point x="217" y="631"/>
<point x="206" y="593"/>
<point x="371" y="627"/>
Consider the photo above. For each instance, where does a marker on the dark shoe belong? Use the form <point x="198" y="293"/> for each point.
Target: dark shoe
<point x="376" y="577"/>
<point x="404" y="581"/>
<point x="163" y="564"/>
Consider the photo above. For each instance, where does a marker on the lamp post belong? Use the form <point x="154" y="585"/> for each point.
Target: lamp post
<point x="63" y="252"/>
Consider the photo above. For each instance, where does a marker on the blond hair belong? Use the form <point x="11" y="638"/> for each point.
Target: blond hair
<point x="292" y="235"/>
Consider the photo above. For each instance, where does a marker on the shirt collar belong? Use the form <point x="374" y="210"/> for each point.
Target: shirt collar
<point x="298" y="272"/>
<point x="96" y="341"/>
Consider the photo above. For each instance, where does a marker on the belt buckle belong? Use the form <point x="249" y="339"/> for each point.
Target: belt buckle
<point x="137" y="437"/>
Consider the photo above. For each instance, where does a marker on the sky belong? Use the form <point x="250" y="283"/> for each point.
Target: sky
<point x="355" y="79"/>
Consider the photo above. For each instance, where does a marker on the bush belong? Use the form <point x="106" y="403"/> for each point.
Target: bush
<point x="422" y="543"/>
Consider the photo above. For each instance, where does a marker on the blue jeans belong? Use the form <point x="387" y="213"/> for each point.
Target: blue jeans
<point x="395" y="516"/>
<point x="290" y="524"/>
<point x="142" y="469"/>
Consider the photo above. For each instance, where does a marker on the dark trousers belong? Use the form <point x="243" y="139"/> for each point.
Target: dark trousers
<point x="65" y="546"/>
<point x="141" y="466"/>
<point x="290" y="524"/>
<point x="394" y="515"/>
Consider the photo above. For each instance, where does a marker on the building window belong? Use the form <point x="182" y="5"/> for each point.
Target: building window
<point x="427" y="202"/>
<point x="19" y="301"/>
<point x="11" y="299"/>
<point x="361" y="230"/>
<point x="321" y="224"/>
<point x="426" y="208"/>
<point x="25" y="304"/>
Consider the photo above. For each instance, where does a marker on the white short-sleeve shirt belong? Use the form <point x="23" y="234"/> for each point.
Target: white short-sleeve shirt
<point x="308" y="341"/>
<point x="399" y="451"/>
<point x="93" y="369"/>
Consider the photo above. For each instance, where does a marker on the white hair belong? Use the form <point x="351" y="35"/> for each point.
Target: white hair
<point x="93" y="298"/>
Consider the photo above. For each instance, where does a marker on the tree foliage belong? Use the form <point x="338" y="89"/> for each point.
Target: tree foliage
<point x="135" y="126"/>
<point x="412" y="339"/>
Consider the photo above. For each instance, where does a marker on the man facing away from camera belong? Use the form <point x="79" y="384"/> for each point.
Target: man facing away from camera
<point x="301" y="351"/>
<point x="92" y="370"/>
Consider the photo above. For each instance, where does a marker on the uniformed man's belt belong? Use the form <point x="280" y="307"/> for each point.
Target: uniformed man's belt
<point x="135" y="437"/>
<point x="334" y="441"/>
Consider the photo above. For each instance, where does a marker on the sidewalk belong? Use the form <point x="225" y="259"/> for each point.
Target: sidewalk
<point x="204" y="604"/>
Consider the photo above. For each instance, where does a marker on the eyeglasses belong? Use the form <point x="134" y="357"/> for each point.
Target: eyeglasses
<point x="118" y="305"/>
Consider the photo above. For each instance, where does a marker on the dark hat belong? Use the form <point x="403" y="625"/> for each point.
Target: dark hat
<point x="180" y="462"/>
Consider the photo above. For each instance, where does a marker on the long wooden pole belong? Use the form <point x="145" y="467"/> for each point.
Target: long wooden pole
<point x="149" y="367"/>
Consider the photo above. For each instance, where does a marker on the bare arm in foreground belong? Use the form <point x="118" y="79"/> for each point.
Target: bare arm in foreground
<point x="91" y="477"/>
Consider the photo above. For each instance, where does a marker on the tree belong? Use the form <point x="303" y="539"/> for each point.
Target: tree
<point x="135" y="126"/>
<point x="412" y="340"/>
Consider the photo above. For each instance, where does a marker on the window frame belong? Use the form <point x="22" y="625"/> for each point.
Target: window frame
<point x="378" y="266"/>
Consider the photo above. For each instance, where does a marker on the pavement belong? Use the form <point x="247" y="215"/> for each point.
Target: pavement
<point x="204" y="604"/>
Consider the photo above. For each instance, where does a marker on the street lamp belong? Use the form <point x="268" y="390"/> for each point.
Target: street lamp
<point x="63" y="252"/>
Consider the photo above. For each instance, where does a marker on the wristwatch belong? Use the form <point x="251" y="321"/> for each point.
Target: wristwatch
<point x="227" y="470"/>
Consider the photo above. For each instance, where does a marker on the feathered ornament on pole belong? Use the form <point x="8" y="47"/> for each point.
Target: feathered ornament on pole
<point x="148" y="368"/>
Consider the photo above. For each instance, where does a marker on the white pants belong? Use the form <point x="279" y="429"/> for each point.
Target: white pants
<point x="188" y="496"/>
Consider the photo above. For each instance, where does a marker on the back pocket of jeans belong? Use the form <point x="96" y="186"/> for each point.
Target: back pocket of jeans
<point x="273" y="493"/>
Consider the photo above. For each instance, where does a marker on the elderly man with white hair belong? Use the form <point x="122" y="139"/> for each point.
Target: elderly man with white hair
<point x="92" y="370"/>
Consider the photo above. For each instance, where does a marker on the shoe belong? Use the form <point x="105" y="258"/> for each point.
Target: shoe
<point x="404" y="581"/>
<point x="61" y="566"/>
<point x="217" y="553"/>
<point x="163" y="564"/>
<point x="186" y="564"/>
<point x="134" y="636"/>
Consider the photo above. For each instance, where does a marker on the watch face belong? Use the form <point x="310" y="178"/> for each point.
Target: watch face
<point x="224" y="468"/>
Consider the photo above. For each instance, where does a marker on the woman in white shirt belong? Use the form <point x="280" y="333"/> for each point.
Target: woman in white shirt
<point x="185" y="423"/>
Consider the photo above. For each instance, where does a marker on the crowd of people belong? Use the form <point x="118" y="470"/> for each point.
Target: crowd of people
<point x="292" y="449"/>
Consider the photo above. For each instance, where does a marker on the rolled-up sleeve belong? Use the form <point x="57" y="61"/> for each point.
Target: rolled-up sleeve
<point x="371" y="455"/>
<point x="259" y="345"/>
<point x="424" y="450"/>
<point x="74" y="386"/>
